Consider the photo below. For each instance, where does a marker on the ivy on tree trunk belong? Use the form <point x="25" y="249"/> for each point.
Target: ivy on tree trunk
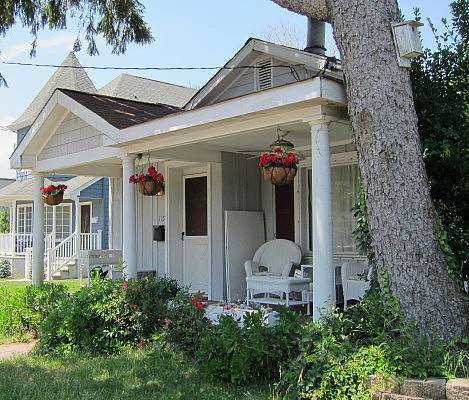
<point x="401" y="216"/>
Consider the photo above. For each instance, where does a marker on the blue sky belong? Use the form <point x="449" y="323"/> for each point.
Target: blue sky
<point x="187" y="33"/>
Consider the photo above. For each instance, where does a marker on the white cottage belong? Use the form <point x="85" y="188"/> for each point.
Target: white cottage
<point x="208" y="152"/>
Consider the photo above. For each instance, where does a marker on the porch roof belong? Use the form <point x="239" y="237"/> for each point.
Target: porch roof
<point x="119" y="112"/>
<point x="24" y="190"/>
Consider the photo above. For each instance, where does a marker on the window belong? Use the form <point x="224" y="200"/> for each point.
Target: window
<point x="344" y="193"/>
<point x="25" y="219"/>
<point x="264" y="75"/>
<point x="63" y="221"/>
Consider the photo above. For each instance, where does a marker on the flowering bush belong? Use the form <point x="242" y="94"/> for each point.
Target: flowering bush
<point x="151" y="175"/>
<point x="53" y="190"/>
<point x="186" y="323"/>
<point x="278" y="157"/>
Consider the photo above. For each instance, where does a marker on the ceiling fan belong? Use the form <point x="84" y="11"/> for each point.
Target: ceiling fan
<point x="280" y="142"/>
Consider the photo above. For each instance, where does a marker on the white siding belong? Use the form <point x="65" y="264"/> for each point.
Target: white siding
<point x="245" y="82"/>
<point x="72" y="136"/>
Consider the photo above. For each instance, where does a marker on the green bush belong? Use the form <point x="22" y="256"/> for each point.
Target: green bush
<point x="23" y="309"/>
<point x="5" y="269"/>
<point x="186" y="322"/>
<point x="251" y="353"/>
<point x="106" y="316"/>
<point x="338" y="355"/>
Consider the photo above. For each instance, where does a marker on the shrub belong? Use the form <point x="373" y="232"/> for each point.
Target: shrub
<point x="23" y="309"/>
<point x="251" y="353"/>
<point x="338" y="355"/>
<point x="5" y="268"/>
<point x="106" y="316"/>
<point x="186" y="322"/>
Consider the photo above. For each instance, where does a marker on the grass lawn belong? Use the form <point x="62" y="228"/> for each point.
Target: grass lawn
<point x="72" y="284"/>
<point x="151" y="373"/>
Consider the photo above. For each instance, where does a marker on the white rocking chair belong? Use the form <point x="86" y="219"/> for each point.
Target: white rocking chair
<point x="355" y="280"/>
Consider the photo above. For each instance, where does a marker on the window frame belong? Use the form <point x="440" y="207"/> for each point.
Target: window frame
<point x="302" y="228"/>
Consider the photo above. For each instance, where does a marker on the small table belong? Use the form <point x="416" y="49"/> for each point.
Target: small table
<point x="214" y="311"/>
<point x="284" y="286"/>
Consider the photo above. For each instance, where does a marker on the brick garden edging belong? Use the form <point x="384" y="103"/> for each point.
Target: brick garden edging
<point x="414" y="389"/>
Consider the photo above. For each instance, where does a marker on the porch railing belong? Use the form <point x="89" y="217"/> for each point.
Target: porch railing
<point x="6" y="243"/>
<point x="17" y="243"/>
<point x="66" y="251"/>
<point x="22" y="242"/>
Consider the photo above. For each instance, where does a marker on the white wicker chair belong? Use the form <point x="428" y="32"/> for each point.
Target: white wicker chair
<point x="355" y="280"/>
<point x="277" y="257"/>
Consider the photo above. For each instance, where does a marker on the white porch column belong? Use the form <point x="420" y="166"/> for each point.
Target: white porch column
<point x="129" y="231"/>
<point x="78" y="224"/>
<point x="13" y="227"/>
<point x="38" y="232"/>
<point x="323" y="271"/>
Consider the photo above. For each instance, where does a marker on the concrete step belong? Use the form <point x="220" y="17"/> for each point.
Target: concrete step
<point x="457" y="389"/>
<point x="395" y="396"/>
<point x="432" y="388"/>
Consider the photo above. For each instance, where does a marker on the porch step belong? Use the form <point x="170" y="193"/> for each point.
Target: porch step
<point x="69" y="271"/>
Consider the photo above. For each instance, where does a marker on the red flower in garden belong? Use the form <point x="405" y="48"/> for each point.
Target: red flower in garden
<point x="124" y="285"/>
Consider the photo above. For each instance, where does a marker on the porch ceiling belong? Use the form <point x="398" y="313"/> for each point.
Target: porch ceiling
<point x="251" y="142"/>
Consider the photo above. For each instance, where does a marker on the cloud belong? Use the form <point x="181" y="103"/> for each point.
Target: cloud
<point x="66" y="40"/>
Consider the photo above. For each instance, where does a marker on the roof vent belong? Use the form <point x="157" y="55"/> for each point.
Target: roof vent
<point x="264" y="74"/>
<point x="316" y="41"/>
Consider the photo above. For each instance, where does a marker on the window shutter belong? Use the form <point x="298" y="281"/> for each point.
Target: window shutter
<point x="264" y="75"/>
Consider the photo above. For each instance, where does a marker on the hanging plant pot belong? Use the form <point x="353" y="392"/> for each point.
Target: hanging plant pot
<point x="149" y="188"/>
<point x="53" y="195"/>
<point x="279" y="176"/>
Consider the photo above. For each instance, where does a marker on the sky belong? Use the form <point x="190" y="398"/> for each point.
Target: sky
<point x="186" y="32"/>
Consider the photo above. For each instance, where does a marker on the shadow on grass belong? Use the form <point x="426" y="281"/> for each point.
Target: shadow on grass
<point x="151" y="373"/>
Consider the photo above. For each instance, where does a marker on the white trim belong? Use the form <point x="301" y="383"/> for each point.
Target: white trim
<point x="289" y="97"/>
<point x="188" y="174"/>
<point x="283" y="53"/>
<point x="25" y="205"/>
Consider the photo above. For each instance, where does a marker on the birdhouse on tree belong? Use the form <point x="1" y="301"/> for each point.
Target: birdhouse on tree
<point x="407" y="41"/>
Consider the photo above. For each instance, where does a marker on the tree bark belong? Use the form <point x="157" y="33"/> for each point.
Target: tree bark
<point x="401" y="216"/>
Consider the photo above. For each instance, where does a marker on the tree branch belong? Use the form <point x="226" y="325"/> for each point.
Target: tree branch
<point x="317" y="9"/>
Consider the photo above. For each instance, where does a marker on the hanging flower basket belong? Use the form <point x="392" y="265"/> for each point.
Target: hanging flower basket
<point x="53" y="195"/>
<point x="150" y="183"/>
<point x="149" y="188"/>
<point x="279" y="167"/>
<point x="279" y="176"/>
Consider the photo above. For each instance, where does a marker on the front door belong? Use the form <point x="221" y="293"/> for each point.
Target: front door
<point x="86" y="218"/>
<point x="195" y="234"/>
<point x="285" y="212"/>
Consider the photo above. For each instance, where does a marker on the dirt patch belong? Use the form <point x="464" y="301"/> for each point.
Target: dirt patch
<point x="15" y="349"/>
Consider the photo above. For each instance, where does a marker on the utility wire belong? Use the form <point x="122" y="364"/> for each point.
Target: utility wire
<point x="149" y="68"/>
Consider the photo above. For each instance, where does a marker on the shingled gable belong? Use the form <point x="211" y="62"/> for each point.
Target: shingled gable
<point x="120" y="113"/>
<point x="69" y="75"/>
<point x="254" y="48"/>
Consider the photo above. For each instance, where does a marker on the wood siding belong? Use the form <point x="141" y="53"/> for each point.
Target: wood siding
<point x="72" y="136"/>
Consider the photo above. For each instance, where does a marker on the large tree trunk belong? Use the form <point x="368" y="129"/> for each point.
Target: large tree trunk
<point x="400" y="211"/>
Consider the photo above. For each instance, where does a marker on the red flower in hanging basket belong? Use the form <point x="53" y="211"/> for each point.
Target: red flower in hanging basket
<point x="279" y="166"/>
<point x="53" y="190"/>
<point x="152" y="175"/>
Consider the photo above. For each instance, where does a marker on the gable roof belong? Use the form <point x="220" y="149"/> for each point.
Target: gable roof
<point x="147" y="90"/>
<point x="70" y="75"/>
<point x="120" y="113"/>
<point x="245" y="56"/>
<point x="25" y="189"/>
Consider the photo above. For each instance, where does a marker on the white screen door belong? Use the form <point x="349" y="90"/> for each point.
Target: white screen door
<point x="195" y="234"/>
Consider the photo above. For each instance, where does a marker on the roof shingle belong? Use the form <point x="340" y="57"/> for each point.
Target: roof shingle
<point x="120" y="113"/>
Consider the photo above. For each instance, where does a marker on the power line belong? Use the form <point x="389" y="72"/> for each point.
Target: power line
<point x="149" y="68"/>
